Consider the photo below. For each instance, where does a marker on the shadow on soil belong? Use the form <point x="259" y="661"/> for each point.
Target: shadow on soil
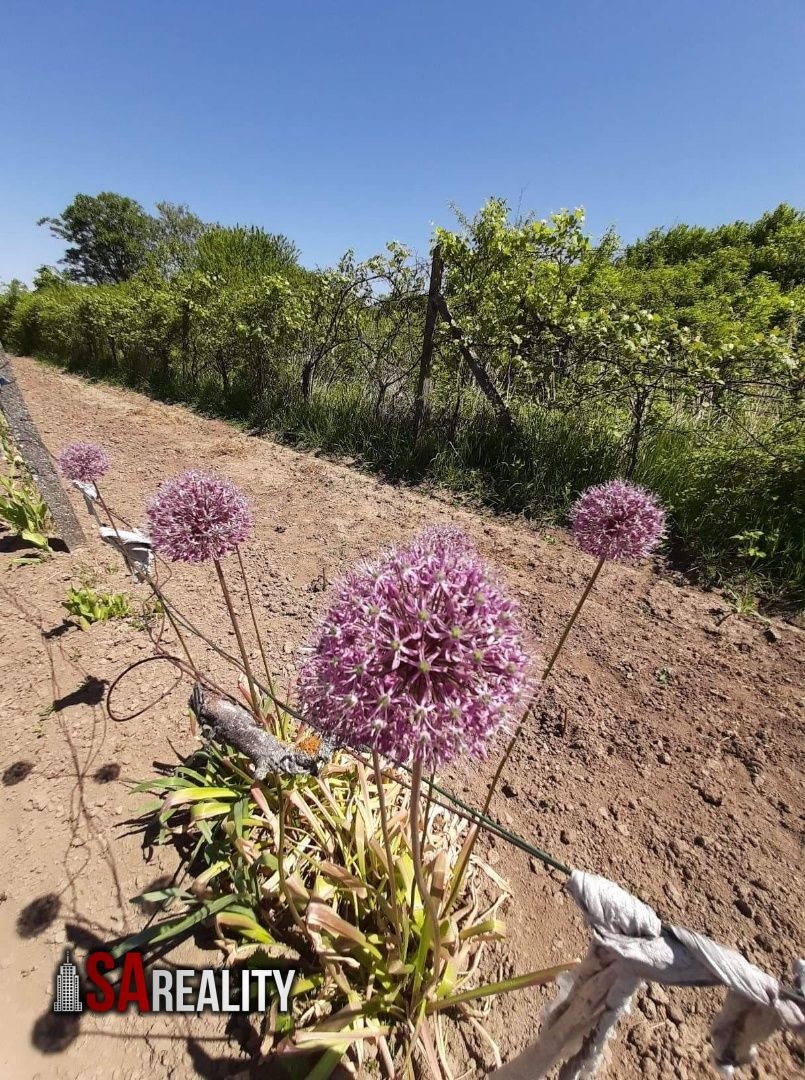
<point x="17" y="772"/>
<point x="38" y="915"/>
<point x="107" y="773"/>
<point x="90" y="692"/>
<point x="14" y="545"/>
<point x="54" y="1032"/>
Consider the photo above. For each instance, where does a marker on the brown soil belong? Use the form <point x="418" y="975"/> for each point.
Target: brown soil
<point x="668" y="754"/>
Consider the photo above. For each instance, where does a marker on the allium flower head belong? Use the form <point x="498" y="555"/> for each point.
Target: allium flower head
<point x="85" y="462"/>
<point x="198" y="516"/>
<point x="617" y="521"/>
<point x="420" y="656"/>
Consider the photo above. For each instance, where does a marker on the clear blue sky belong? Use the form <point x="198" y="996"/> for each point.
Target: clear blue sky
<point x="346" y="123"/>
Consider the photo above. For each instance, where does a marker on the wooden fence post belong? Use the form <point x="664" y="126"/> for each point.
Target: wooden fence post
<point x="422" y="398"/>
<point x="479" y="372"/>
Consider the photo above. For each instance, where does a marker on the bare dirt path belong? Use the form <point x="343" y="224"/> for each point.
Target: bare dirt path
<point x="668" y="754"/>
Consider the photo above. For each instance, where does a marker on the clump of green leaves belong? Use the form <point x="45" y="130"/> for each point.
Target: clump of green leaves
<point x="88" y="606"/>
<point x="297" y="868"/>
<point x="21" y="506"/>
<point x="24" y="511"/>
<point x="743" y="600"/>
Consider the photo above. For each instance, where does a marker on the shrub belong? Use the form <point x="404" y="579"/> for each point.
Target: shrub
<point x="677" y="363"/>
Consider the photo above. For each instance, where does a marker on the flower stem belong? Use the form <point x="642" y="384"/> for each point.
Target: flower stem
<point x="532" y="701"/>
<point x="241" y="644"/>
<point x="428" y="804"/>
<point x="419" y="873"/>
<point x="384" y="825"/>
<point x="272" y="693"/>
<point x="546" y="673"/>
<point x="151" y="582"/>
<point x="569" y="626"/>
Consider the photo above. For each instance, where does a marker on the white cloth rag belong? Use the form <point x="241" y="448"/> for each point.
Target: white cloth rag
<point x="630" y="946"/>
<point x="135" y="548"/>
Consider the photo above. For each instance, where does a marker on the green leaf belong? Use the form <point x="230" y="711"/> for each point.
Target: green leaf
<point x="171" y="928"/>
<point x="518" y="982"/>
<point x="35" y="538"/>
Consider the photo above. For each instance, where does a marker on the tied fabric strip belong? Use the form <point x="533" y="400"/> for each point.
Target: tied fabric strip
<point x="134" y="545"/>
<point x="90" y="494"/>
<point x="631" y="946"/>
<point x="135" y="548"/>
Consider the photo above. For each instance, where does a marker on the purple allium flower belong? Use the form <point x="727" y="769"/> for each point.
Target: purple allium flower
<point x="420" y="656"/>
<point x="85" y="462"/>
<point x="617" y="521"/>
<point x="198" y="516"/>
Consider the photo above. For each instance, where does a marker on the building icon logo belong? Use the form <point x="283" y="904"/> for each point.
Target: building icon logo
<point x="68" y="994"/>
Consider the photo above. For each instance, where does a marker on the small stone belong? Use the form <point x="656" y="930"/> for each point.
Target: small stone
<point x="679" y="848"/>
<point x="744" y="907"/>
<point x="675" y="1014"/>
<point x="771" y="635"/>
<point x="509" y="790"/>
<point x="568" y="836"/>
<point x="711" y="795"/>
<point x="673" y="894"/>
<point x="663" y="758"/>
<point x="702" y="841"/>
<point x="622" y="829"/>
<point x="648" y="1008"/>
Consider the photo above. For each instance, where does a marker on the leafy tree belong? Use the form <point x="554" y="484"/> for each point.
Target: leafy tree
<point x="336" y="298"/>
<point x="773" y="245"/>
<point x="517" y="290"/>
<point x="237" y="253"/>
<point x="109" y="237"/>
<point x="177" y="231"/>
<point x="365" y="321"/>
<point x="48" y="277"/>
<point x="10" y="294"/>
<point x="779" y="240"/>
